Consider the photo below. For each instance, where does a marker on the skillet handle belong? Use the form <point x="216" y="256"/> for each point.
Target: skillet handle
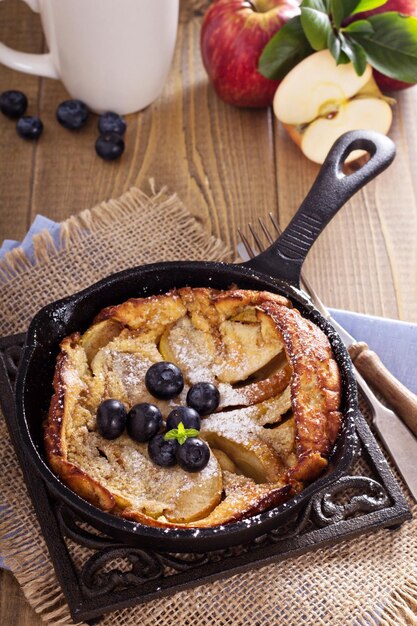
<point x="331" y="189"/>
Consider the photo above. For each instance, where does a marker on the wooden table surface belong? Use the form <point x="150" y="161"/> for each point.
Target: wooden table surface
<point x="228" y="165"/>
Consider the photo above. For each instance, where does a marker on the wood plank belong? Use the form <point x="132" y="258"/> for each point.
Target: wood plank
<point x="228" y="165"/>
<point x="365" y="260"/>
<point x="14" y="609"/>
<point x="20" y="29"/>
<point x="219" y="159"/>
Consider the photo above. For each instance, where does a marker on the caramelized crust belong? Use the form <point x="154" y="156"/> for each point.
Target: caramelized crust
<point x="278" y="418"/>
<point x="315" y="383"/>
<point x="54" y="439"/>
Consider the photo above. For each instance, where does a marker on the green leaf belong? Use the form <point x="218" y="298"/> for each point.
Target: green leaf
<point x="356" y="54"/>
<point x="171" y="434"/>
<point x="192" y="432"/>
<point x="316" y="26"/>
<point x="287" y="47"/>
<point x="392" y="47"/>
<point x="334" y="45"/>
<point x="337" y="12"/>
<point x="341" y="9"/>
<point x="317" y="5"/>
<point x="343" y="59"/>
<point x="181" y="434"/>
<point x="361" y="26"/>
<point x="367" y="5"/>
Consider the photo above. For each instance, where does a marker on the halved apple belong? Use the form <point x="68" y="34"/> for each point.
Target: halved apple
<point x="318" y="101"/>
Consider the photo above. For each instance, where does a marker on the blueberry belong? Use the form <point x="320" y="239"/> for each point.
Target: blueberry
<point x="185" y="414"/>
<point x="111" y="123"/>
<point x="163" y="452"/>
<point x="72" y="114"/>
<point x="193" y="455"/>
<point x="29" y="127"/>
<point x="203" y="397"/>
<point x="13" y="103"/>
<point x="111" y="419"/>
<point x="143" y="421"/>
<point x="110" y="146"/>
<point x="164" y="380"/>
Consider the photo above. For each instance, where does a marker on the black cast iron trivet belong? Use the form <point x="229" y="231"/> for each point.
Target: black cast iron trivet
<point x="114" y="576"/>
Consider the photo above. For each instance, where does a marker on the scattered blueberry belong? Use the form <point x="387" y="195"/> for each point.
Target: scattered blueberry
<point x="185" y="414"/>
<point x="203" y="397"/>
<point x="164" y="380"/>
<point x="72" y="114"/>
<point x="163" y="452"/>
<point x="110" y="146"/>
<point x="111" y="419"/>
<point x="111" y="123"/>
<point x="29" y="127"/>
<point x="13" y="103"/>
<point x="193" y="455"/>
<point x="143" y="421"/>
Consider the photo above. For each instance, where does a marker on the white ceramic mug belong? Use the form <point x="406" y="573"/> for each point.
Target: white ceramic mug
<point x="112" y="54"/>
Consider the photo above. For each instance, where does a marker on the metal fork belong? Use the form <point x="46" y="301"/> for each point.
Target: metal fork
<point x="397" y="438"/>
<point x="252" y="253"/>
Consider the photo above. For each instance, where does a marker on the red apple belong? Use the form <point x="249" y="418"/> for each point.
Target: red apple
<point x="406" y="7"/>
<point x="233" y="36"/>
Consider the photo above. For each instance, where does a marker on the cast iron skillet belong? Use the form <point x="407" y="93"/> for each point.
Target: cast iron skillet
<point x="277" y="270"/>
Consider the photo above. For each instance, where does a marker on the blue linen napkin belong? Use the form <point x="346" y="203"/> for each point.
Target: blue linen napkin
<point x="7" y="245"/>
<point x="395" y="342"/>
<point x="39" y="223"/>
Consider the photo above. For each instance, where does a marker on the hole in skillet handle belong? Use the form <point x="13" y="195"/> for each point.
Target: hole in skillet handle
<point x="353" y="165"/>
<point x="330" y="191"/>
<point x="360" y="151"/>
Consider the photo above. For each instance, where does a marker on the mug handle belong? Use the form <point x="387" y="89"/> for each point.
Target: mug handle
<point x="38" y="64"/>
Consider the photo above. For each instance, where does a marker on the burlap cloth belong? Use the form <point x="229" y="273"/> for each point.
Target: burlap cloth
<point x="366" y="581"/>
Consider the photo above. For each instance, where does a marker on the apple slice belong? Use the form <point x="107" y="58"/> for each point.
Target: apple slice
<point x="237" y="435"/>
<point x="282" y="439"/>
<point x="318" y="101"/>
<point x="98" y="336"/>
<point x="124" y="469"/>
<point x="243" y="498"/>
<point x="224" y="461"/>
<point x="247" y="347"/>
<point x="193" y="350"/>
<point x="271" y="411"/>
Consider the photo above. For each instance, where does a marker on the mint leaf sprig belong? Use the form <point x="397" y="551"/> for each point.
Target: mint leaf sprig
<point x="181" y="434"/>
<point x="387" y="41"/>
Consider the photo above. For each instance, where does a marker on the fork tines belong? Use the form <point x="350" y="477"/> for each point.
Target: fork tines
<point x="253" y="250"/>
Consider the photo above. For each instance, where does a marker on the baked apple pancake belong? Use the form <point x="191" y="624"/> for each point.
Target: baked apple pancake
<point x="194" y="408"/>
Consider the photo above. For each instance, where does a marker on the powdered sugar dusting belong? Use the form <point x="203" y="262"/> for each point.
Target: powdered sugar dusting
<point x="237" y="425"/>
<point x="193" y="350"/>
